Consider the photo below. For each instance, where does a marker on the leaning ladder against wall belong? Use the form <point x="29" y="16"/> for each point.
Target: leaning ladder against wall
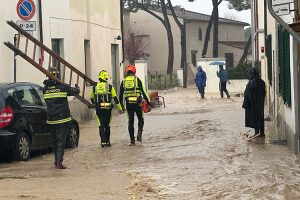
<point x="75" y="76"/>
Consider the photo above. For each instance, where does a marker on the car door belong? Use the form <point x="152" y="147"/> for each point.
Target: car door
<point x="35" y="113"/>
<point x="47" y="138"/>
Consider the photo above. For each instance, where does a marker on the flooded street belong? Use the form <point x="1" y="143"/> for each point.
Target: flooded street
<point x="192" y="149"/>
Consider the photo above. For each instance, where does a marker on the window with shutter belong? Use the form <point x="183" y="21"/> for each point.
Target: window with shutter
<point x="199" y="34"/>
<point x="284" y="65"/>
<point x="229" y="60"/>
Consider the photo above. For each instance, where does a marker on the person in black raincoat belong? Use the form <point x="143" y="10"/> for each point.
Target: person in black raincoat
<point x="58" y="114"/>
<point x="254" y="99"/>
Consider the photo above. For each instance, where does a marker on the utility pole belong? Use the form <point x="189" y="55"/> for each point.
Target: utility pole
<point x="253" y="36"/>
<point x="15" y="61"/>
<point x="185" y="62"/>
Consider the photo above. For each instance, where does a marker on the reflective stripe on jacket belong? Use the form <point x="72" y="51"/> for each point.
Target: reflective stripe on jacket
<point x="102" y="95"/>
<point x="131" y="87"/>
<point x="60" y="121"/>
<point x="55" y="95"/>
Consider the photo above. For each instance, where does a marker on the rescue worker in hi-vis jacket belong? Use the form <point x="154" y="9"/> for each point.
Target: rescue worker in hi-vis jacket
<point x="133" y="91"/>
<point x="58" y="114"/>
<point x="101" y="96"/>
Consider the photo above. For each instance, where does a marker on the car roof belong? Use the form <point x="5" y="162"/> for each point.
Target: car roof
<point x="16" y="84"/>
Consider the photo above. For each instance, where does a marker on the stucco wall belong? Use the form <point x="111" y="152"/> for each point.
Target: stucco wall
<point x="8" y="12"/>
<point x="72" y="21"/>
<point x="144" y="23"/>
<point x="237" y="53"/>
<point x="283" y="116"/>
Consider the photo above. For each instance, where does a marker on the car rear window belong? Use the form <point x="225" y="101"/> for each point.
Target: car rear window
<point x="12" y="93"/>
<point x="26" y="96"/>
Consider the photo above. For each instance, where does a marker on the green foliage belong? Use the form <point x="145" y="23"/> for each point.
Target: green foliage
<point x="135" y="5"/>
<point x="239" y="5"/>
<point x="241" y="71"/>
<point x="162" y="81"/>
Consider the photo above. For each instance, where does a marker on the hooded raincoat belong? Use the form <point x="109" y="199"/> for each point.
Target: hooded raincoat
<point x="200" y="78"/>
<point x="254" y="98"/>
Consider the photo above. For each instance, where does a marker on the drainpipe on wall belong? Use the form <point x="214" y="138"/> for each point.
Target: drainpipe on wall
<point x="15" y="60"/>
<point x="256" y="29"/>
<point x="253" y="33"/>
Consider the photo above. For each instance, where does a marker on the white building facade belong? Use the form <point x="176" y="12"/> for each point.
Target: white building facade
<point x="280" y="64"/>
<point x="83" y="32"/>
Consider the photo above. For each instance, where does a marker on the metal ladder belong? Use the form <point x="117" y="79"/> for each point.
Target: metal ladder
<point x="81" y="79"/>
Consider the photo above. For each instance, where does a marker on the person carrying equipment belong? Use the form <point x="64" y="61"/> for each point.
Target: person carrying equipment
<point x="58" y="114"/>
<point x="133" y="91"/>
<point x="101" y="96"/>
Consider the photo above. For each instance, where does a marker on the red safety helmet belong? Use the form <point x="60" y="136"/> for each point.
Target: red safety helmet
<point x="131" y="68"/>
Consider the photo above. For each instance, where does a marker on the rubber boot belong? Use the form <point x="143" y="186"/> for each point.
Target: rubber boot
<point x="55" y="164"/>
<point x="101" y="133"/>
<point x="132" y="138"/>
<point x="227" y="94"/>
<point x="132" y="142"/>
<point x="139" y="136"/>
<point x="59" y="165"/>
<point x="108" y="136"/>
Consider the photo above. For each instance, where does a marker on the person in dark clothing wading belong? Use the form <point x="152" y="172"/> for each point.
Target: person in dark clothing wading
<point x="254" y="99"/>
<point x="200" y="81"/>
<point x="102" y="95"/>
<point x="58" y="114"/>
<point x="223" y="76"/>
<point x="133" y="91"/>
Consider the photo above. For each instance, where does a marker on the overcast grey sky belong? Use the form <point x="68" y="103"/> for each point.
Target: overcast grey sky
<point x="205" y="7"/>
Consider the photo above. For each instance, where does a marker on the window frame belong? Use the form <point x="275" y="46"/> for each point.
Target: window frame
<point x="200" y="35"/>
<point x="31" y="102"/>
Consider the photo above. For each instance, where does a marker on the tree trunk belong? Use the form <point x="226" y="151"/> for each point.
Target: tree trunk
<point x="170" y="38"/>
<point x="216" y="30"/>
<point x="207" y="35"/>
<point x="245" y="53"/>
<point x="183" y="57"/>
<point x="181" y="27"/>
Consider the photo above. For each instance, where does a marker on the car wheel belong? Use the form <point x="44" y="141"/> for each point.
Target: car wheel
<point x="73" y="137"/>
<point x="22" y="148"/>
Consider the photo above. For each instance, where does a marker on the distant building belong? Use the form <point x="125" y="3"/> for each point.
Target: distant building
<point x="231" y="37"/>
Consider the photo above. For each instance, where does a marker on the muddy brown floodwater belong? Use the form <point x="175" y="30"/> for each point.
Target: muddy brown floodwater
<point x="191" y="150"/>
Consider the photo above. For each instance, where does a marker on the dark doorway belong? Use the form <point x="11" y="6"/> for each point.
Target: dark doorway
<point x="115" y="66"/>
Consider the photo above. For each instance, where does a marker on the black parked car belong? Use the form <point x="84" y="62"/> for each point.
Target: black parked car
<point x="23" y="126"/>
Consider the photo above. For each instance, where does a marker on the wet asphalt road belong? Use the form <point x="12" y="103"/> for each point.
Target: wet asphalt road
<point x="191" y="149"/>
